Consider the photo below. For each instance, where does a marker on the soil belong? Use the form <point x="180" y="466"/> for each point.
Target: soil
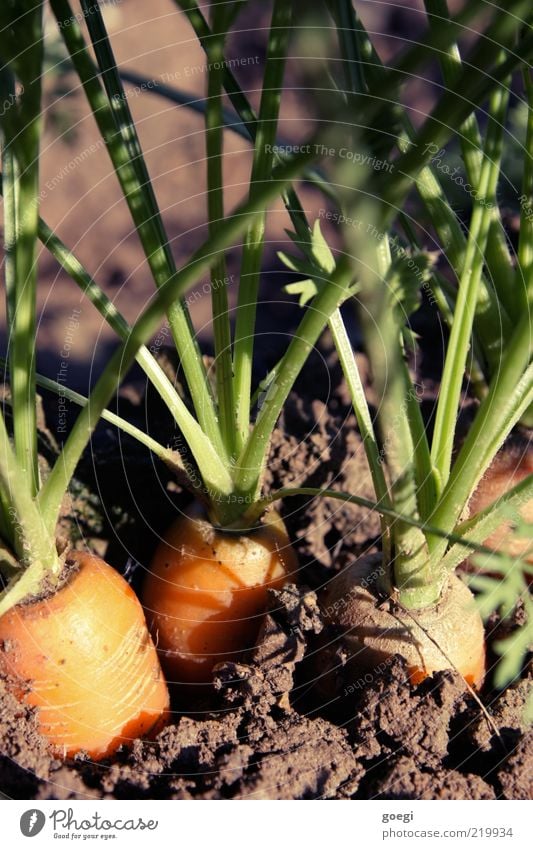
<point x="262" y="729"/>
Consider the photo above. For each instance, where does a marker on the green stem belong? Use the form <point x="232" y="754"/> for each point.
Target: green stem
<point x="497" y="256"/>
<point x="346" y="21"/>
<point x="251" y="463"/>
<point x="364" y="421"/>
<point x="118" y="131"/>
<point x="233" y="124"/>
<point x="34" y="546"/>
<point x="108" y="416"/>
<point x="24" y="329"/>
<point x="254" y="513"/>
<point x="344" y="349"/>
<point x="180" y="97"/>
<point x="381" y="334"/>
<point x="492" y="322"/>
<point x="263" y="161"/>
<point x="249" y="119"/>
<point x="510" y="393"/>
<point x="22" y="128"/>
<point x="423" y="489"/>
<point x="445" y="296"/>
<point x="9" y="179"/>
<point x="347" y="29"/>
<point x="484" y="523"/>
<point x="453" y="107"/>
<point x="9" y="182"/>
<point x="451" y="67"/>
<point x="458" y="346"/>
<point x="140" y="436"/>
<point x="247" y="115"/>
<point x="407" y="64"/>
<point x="423" y="468"/>
<point x="215" y="204"/>
<point x="472" y="87"/>
<point x="58" y="480"/>
<point x="210" y="465"/>
<point x="525" y="241"/>
<point x="405" y="449"/>
<point x="203" y="31"/>
<point x="438" y="41"/>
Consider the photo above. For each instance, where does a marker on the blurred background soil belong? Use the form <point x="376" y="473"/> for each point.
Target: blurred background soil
<point x="81" y="198"/>
<point x="315" y="444"/>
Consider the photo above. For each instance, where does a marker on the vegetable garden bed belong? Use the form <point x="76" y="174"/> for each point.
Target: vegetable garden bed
<point x="292" y="569"/>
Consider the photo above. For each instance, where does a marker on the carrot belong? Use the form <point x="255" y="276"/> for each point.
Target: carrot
<point x="206" y="591"/>
<point x="511" y="465"/>
<point x="84" y="658"/>
<point x="446" y="635"/>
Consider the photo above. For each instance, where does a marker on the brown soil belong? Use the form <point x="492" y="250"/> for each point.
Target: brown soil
<point x="261" y="729"/>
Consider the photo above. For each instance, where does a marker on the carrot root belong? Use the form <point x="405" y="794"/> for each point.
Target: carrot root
<point x="510" y="466"/>
<point x="84" y="658"/>
<point x="448" y="635"/>
<point x="206" y="591"/>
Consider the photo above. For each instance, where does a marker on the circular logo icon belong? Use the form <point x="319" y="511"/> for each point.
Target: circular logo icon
<point x="32" y="822"/>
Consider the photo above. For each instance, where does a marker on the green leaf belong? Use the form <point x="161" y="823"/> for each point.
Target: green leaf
<point x="306" y="289"/>
<point x="319" y="259"/>
<point x="294" y="263"/>
<point x="318" y="265"/>
<point x="21" y="36"/>
<point x="408" y="272"/>
<point x="500" y="593"/>
<point x="503" y="594"/>
<point x="321" y="251"/>
<point x="512" y="651"/>
<point x="409" y="339"/>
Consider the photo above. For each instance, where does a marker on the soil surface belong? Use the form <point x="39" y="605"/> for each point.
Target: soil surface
<point x="262" y="729"/>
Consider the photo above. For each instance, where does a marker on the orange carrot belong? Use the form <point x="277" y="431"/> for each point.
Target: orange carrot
<point x="206" y="592"/>
<point x="84" y="658"/>
<point x="511" y="465"/>
<point x="447" y="635"/>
